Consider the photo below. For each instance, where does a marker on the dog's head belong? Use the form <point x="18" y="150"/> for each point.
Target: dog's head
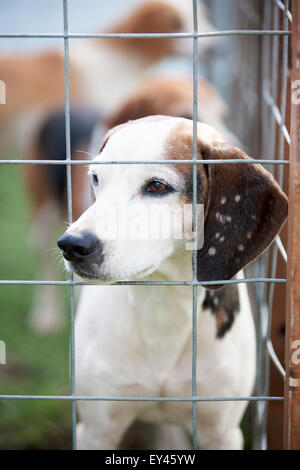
<point x="122" y="235"/>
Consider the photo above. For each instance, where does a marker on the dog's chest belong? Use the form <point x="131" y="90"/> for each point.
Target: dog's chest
<point x="164" y="326"/>
<point x="141" y="332"/>
<point x="138" y="341"/>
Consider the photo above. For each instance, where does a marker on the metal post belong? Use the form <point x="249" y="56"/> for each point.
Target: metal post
<point x="69" y="196"/>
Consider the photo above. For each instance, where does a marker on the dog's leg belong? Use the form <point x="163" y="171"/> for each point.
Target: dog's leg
<point x="47" y="311"/>
<point x="103" y="424"/>
<point x="217" y="439"/>
<point x="172" y="437"/>
<point x="218" y="426"/>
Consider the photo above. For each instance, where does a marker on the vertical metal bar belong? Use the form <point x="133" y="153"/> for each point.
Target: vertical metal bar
<point x="274" y="92"/>
<point x="195" y="222"/>
<point x="69" y="196"/>
<point x="266" y="299"/>
<point x="284" y="75"/>
<point x="274" y="80"/>
<point x="292" y="338"/>
<point x="259" y="409"/>
<point x="265" y="78"/>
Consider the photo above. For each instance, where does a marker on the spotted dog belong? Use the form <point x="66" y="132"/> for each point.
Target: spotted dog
<point x="136" y="340"/>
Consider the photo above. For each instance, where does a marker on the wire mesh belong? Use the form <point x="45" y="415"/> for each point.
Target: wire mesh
<point x="272" y="116"/>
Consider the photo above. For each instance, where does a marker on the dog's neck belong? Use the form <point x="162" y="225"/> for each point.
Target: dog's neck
<point x="177" y="267"/>
<point x="163" y="313"/>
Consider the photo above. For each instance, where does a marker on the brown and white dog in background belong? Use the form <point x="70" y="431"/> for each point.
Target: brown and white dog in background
<point x="102" y="71"/>
<point x="47" y="185"/>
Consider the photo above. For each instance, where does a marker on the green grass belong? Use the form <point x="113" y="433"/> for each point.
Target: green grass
<point x="36" y="364"/>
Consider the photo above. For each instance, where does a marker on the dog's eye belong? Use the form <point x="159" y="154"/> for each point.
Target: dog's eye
<point x="157" y="187"/>
<point x="95" y="180"/>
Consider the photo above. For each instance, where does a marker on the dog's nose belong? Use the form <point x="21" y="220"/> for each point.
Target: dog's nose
<point x="79" y="247"/>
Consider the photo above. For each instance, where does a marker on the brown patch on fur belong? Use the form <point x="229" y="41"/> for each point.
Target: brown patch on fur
<point x="224" y="305"/>
<point x="244" y="205"/>
<point x="172" y="97"/>
<point x="179" y="146"/>
<point x="34" y="82"/>
<point x="151" y="17"/>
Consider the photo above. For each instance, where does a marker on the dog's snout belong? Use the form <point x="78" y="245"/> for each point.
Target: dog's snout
<point x="79" y="247"/>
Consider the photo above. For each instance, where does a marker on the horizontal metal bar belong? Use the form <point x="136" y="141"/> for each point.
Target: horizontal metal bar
<point x="280" y="5"/>
<point x="277" y="115"/>
<point x="142" y="283"/>
<point x="139" y="162"/>
<point x="237" y="32"/>
<point x="151" y="399"/>
<point x="274" y="357"/>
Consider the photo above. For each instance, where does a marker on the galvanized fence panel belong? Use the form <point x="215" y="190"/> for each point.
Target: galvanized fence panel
<point x="271" y="114"/>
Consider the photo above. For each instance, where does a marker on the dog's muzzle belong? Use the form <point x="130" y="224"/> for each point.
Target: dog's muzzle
<point x="79" y="248"/>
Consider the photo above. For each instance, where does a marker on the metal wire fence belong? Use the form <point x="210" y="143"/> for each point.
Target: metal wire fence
<point x="272" y="116"/>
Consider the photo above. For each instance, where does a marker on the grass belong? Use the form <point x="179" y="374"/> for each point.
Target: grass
<point x="36" y="364"/>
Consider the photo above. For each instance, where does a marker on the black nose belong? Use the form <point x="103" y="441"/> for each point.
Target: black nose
<point x="79" y="247"/>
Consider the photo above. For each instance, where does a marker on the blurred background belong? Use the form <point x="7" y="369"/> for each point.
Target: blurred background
<point x="38" y="362"/>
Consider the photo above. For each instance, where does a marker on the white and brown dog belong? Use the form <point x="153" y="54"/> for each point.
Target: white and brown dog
<point x="136" y="340"/>
<point x="46" y="185"/>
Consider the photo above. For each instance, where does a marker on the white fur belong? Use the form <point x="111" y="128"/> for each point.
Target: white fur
<point x="137" y="340"/>
<point x="100" y="67"/>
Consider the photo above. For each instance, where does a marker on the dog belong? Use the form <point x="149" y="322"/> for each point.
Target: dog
<point x="136" y="340"/>
<point x="46" y="186"/>
<point x="102" y="72"/>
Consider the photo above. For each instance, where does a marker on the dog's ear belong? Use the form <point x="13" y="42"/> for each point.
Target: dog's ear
<point x="245" y="209"/>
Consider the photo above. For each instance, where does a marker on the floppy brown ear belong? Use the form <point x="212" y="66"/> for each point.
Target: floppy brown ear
<point x="245" y="209"/>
